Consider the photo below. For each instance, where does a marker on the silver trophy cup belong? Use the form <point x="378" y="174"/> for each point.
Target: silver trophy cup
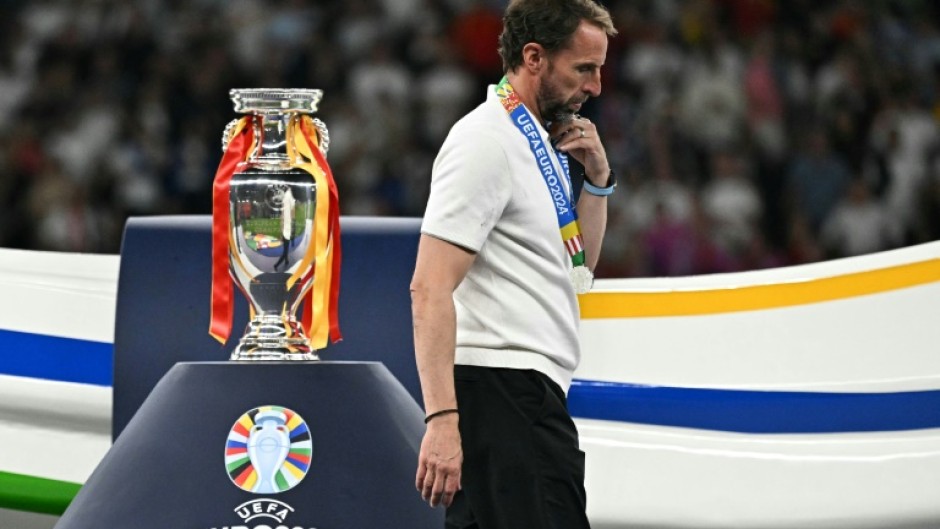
<point x="272" y="209"/>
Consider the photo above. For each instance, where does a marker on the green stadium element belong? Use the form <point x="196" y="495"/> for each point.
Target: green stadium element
<point x="32" y="494"/>
<point x="272" y="226"/>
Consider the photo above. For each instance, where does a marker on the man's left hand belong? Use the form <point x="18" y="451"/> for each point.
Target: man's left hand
<point x="578" y="137"/>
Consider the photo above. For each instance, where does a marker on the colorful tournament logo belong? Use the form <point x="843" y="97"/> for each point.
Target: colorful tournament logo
<point x="268" y="450"/>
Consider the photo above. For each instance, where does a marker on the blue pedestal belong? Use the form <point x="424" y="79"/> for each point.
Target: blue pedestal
<point x="164" y="290"/>
<point x="169" y="467"/>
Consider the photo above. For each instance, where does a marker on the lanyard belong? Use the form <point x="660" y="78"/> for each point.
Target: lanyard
<point x="564" y="209"/>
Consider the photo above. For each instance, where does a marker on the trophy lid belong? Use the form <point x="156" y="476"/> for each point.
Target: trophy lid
<point x="275" y="100"/>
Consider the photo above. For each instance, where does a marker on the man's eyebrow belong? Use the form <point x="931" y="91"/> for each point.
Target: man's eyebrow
<point x="592" y="64"/>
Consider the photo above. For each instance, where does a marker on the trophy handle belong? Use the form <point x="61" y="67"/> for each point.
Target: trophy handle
<point x="227" y="134"/>
<point x="324" y="135"/>
<point x="322" y="132"/>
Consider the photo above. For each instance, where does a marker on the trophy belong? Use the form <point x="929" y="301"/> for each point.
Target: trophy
<point x="275" y="226"/>
<point x="268" y="446"/>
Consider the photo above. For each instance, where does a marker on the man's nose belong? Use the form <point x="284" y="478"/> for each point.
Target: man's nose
<point x="593" y="86"/>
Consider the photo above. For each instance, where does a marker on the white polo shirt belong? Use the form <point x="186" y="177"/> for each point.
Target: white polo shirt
<point x="516" y="307"/>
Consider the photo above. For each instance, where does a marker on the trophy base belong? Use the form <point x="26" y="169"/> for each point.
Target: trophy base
<point x="273" y="338"/>
<point x="257" y="353"/>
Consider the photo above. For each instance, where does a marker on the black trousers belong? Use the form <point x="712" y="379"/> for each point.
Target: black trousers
<point x="522" y="467"/>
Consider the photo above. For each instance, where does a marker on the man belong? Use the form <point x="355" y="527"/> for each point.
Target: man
<point x="287" y="228"/>
<point x="500" y="260"/>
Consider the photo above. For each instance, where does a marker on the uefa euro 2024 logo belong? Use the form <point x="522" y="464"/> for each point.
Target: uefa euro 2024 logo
<point x="268" y="450"/>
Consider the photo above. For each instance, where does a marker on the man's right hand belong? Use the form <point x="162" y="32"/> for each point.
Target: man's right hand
<point x="440" y="461"/>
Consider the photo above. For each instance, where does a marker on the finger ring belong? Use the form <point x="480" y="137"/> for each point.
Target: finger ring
<point x="582" y="133"/>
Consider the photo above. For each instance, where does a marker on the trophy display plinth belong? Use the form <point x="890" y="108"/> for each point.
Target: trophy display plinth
<point x="313" y="445"/>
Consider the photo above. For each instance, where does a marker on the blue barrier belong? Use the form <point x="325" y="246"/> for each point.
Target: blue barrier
<point x="55" y="358"/>
<point x="774" y="412"/>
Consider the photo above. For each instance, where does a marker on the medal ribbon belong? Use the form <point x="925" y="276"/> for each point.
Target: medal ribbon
<point x="564" y="209"/>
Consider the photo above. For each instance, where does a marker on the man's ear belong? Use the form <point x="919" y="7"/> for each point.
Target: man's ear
<point x="533" y="57"/>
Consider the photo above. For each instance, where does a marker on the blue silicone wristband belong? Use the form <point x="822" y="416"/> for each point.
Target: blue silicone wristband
<point x="597" y="191"/>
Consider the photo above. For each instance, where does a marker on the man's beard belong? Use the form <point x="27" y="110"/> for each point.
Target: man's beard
<point x="551" y="107"/>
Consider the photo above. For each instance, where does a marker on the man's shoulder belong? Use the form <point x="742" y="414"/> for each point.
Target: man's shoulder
<point x="484" y="129"/>
<point x="487" y="118"/>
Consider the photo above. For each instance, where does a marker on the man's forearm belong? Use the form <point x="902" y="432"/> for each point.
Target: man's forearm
<point x="592" y="216"/>
<point x="435" y="335"/>
<point x="439" y="269"/>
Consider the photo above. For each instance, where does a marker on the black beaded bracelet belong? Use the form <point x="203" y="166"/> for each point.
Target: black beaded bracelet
<point x="439" y="413"/>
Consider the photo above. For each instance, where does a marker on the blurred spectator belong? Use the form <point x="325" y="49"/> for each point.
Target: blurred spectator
<point x="930" y="203"/>
<point x="712" y="102"/>
<point x="737" y="126"/>
<point x="653" y="63"/>
<point x="802" y="246"/>
<point x="445" y="91"/>
<point x="679" y="247"/>
<point x="475" y="29"/>
<point x="765" y="110"/>
<point x="380" y="80"/>
<point x="732" y="203"/>
<point x="817" y="179"/>
<point x="671" y="243"/>
<point x="917" y="137"/>
<point x="858" y="225"/>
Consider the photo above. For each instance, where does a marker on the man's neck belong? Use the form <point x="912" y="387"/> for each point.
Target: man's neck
<point x="526" y="87"/>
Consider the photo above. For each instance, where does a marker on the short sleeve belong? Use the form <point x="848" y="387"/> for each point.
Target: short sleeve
<point x="470" y="187"/>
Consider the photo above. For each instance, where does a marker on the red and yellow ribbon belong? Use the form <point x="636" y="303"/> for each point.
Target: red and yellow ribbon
<point x="323" y="257"/>
<point x="239" y="148"/>
<point x="321" y="307"/>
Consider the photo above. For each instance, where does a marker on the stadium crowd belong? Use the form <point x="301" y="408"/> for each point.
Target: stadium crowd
<point x="746" y="133"/>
